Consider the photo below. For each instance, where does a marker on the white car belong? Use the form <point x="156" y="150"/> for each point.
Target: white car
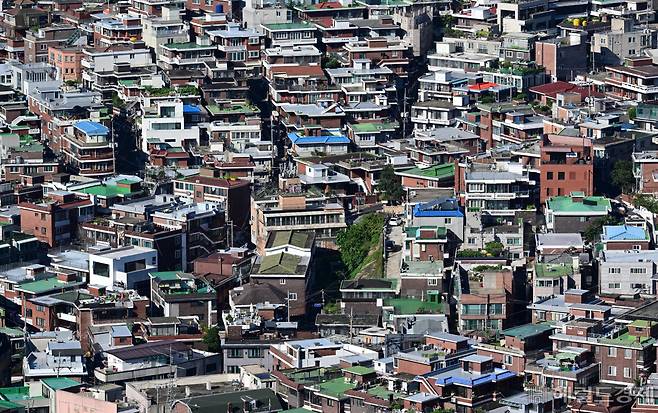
<point x="394" y="222"/>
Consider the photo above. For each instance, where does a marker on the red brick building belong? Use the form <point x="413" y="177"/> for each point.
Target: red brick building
<point x="566" y="166"/>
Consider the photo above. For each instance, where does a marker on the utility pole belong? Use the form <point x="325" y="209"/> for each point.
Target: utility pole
<point x="351" y="323"/>
<point x="288" y="305"/>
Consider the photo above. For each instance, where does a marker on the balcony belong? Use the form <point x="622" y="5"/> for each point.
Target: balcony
<point x="67" y="317"/>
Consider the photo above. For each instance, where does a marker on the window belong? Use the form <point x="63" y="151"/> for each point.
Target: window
<point x="627" y="372"/>
<point x="230" y="369"/>
<point x="282" y="281"/>
<point x="254" y="353"/>
<point x="628" y="353"/>
<point x="41" y="322"/>
<point x="615" y="270"/>
<point x="40" y="308"/>
<point x="614" y="285"/>
<point x="253" y="40"/>
<point x="560" y="176"/>
<point x="612" y="371"/>
<point x="254" y="54"/>
<point x="292" y="296"/>
<point x="329" y="402"/>
<point x="612" y="352"/>
<point x="432" y="281"/>
<point x="549" y="176"/>
<point x="638" y="270"/>
<point x="234" y="353"/>
<point x="471" y="241"/>
<point x="507" y="359"/>
<point x="101" y="269"/>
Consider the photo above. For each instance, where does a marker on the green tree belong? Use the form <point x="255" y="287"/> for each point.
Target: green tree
<point x="494" y="248"/>
<point x="211" y="339"/>
<point x="632" y="112"/>
<point x="593" y="231"/>
<point x="622" y="175"/>
<point x="390" y="184"/>
<point x="357" y="240"/>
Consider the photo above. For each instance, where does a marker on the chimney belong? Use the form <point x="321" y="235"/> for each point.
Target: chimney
<point x="65" y="276"/>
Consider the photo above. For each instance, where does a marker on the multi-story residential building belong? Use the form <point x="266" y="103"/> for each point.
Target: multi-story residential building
<point x="187" y="55"/>
<point x="625" y="237"/>
<point x="124" y="267"/>
<point x="382" y="52"/>
<point x="446" y="57"/>
<point x="524" y="16"/>
<point x="152" y="360"/>
<point x="520" y="344"/>
<point x="627" y="272"/>
<point x="164" y="125"/>
<point x="564" y="371"/>
<point x="203" y="225"/>
<point x="55" y="220"/>
<point x="562" y="57"/>
<point x="239" y="45"/>
<point x="295" y="211"/>
<point x="37" y="42"/>
<point x="289" y="34"/>
<point x="168" y="28"/>
<point x="287" y="264"/>
<point x="495" y="191"/>
<point x="233" y="194"/>
<point x="67" y="61"/>
<point x="636" y="81"/>
<point x="89" y="149"/>
<point x="59" y="109"/>
<point x="574" y="212"/>
<point x="645" y="171"/>
<point x="176" y="294"/>
<point x="622" y="41"/>
<point x="116" y="29"/>
<point x="624" y="352"/>
<point x="566" y="166"/>
<point x="472" y="381"/>
<point x="485" y="298"/>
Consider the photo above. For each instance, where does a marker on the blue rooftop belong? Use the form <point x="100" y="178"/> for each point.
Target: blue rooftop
<point x="187" y="108"/>
<point x="92" y="128"/>
<point x="312" y="140"/>
<point x="446" y="207"/>
<point x="623" y="233"/>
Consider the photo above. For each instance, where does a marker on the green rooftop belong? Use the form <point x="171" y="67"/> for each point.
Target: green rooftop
<point x="232" y="109"/>
<point x="406" y="306"/>
<point x="188" y="46"/>
<point x="543" y="270"/>
<point x="7" y="405"/>
<point x="630" y="340"/>
<point x="108" y="190"/>
<point x="641" y="323"/>
<point x="372" y="127"/>
<point x="360" y="370"/>
<point x="281" y="263"/>
<point x="15" y="393"/>
<point x="438" y="172"/>
<point x="336" y="387"/>
<point x="60" y="383"/>
<point x="298" y="239"/>
<point x="11" y="332"/>
<point x="588" y="204"/>
<point x="381" y="392"/>
<point x="527" y="330"/>
<point x="46" y="285"/>
<point x="167" y="275"/>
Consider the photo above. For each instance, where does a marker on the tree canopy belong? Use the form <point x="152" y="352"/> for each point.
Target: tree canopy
<point x="622" y="175"/>
<point x="357" y="240"/>
<point x="211" y="339"/>
<point x="390" y="184"/>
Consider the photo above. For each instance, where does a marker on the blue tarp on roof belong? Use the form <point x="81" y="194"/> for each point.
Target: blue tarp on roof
<point x="436" y="209"/>
<point x="191" y="109"/>
<point x="623" y="233"/>
<point x="311" y="140"/>
<point x="92" y="128"/>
